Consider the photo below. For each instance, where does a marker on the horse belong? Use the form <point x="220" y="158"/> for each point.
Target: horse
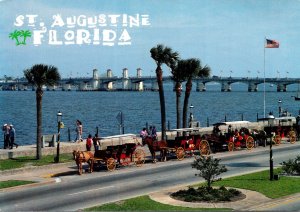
<point x="154" y="146"/>
<point x="83" y="157"/>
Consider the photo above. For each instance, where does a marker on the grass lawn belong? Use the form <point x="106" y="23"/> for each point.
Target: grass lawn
<point x="12" y="183"/>
<point x="144" y="203"/>
<point x="258" y="181"/>
<point x="20" y="162"/>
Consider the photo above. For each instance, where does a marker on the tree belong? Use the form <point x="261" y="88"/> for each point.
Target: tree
<point x="40" y="75"/>
<point x="192" y="69"/>
<point x="25" y="34"/>
<point x="178" y="76"/>
<point x="209" y="169"/>
<point x="162" y="55"/>
<point x="15" y="36"/>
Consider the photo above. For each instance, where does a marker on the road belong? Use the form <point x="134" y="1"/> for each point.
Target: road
<point x="76" y="192"/>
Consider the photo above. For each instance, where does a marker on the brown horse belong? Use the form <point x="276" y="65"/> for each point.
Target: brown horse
<point x="155" y="146"/>
<point x="83" y="157"/>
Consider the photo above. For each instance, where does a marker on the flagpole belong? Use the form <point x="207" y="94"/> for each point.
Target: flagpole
<point x="264" y="78"/>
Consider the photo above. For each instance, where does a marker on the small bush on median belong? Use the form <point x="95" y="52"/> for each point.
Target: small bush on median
<point x="292" y="166"/>
<point x="202" y="194"/>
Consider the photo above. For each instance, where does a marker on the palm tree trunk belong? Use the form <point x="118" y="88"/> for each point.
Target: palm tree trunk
<point x="178" y="95"/>
<point x="162" y="102"/>
<point x="188" y="88"/>
<point x="39" y="96"/>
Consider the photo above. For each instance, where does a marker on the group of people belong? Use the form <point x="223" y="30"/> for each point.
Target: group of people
<point x="149" y="133"/>
<point x="9" y="134"/>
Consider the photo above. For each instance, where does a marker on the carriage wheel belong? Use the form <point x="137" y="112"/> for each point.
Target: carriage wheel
<point x="111" y="164"/>
<point x="292" y="136"/>
<point x="250" y="142"/>
<point x="180" y="153"/>
<point x="139" y="157"/>
<point x="230" y="146"/>
<point x="277" y="140"/>
<point x="204" y="147"/>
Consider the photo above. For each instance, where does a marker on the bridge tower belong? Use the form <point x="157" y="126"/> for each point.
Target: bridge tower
<point x="252" y="87"/>
<point x="95" y="79"/>
<point x="125" y="80"/>
<point x="200" y="86"/>
<point x="109" y="75"/>
<point x="281" y="87"/>
<point x="225" y="87"/>
<point x="139" y="86"/>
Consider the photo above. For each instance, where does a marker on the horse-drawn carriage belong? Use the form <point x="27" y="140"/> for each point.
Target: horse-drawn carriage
<point x="282" y="127"/>
<point x="120" y="150"/>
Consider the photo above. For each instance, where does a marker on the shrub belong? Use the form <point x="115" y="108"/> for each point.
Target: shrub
<point x="292" y="166"/>
<point x="209" y="169"/>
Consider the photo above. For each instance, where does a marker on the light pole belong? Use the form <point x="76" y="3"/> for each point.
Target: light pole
<point x="279" y="107"/>
<point x="271" y="119"/>
<point x="59" y="124"/>
<point x="191" y="115"/>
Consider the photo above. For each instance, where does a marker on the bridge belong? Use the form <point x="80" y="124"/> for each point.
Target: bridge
<point x="141" y="83"/>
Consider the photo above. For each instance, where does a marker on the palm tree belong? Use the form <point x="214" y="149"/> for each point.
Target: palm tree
<point x="178" y="76"/>
<point x="192" y="69"/>
<point x="162" y="55"/>
<point x="25" y="34"/>
<point x="40" y="75"/>
<point x="14" y="36"/>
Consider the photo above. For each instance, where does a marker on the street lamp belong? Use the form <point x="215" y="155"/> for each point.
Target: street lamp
<point x="279" y="107"/>
<point x="271" y="119"/>
<point x="191" y="115"/>
<point x="59" y="126"/>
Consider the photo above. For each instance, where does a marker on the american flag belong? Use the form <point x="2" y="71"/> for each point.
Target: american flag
<point x="272" y="44"/>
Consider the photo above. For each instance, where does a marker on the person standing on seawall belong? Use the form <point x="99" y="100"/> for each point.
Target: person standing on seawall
<point x="5" y="130"/>
<point x="78" y="131"/>
<point x="12" y="136"/>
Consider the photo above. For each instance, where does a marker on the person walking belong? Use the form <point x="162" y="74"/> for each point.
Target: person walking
<point x="78" y="131"/>
<point x="12" y="136"/>
<point x="5" y="130"/>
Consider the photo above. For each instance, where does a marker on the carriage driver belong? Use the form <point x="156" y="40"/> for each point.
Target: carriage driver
<point x="143" y="133"/>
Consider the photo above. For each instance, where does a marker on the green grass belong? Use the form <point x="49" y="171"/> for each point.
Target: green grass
<point x="12" y="183"/>
<point x="144" y="203"/>
<point x="20" y="162"/>
<point x="260" y="182"/>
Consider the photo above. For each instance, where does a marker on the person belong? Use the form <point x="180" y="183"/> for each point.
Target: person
<point x="5" y="130"/>
<point x="78" y="131"/>
<point x="96" y="142"/>
<point x="89" y="141"/>
<point x="154" y="133"/>
<point x="143" y="133"/>
<point x="12" y="136"/>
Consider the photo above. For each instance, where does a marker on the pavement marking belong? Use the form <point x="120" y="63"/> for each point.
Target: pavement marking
<point x="91" y="190"/>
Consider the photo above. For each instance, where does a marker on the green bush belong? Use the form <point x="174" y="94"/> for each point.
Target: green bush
<point x="292" y="166"/>
<point x="203" y="193"/>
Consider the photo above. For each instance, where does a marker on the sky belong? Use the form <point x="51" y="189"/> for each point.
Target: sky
<point x="227" y="35"/>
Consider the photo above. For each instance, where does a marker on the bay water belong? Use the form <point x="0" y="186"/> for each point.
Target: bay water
<point x="100" y="109"/>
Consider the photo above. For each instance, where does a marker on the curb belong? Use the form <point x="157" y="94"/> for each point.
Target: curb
<point x="33" y="168"/>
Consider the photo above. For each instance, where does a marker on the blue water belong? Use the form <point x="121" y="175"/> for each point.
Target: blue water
<point x="100" y="109"/>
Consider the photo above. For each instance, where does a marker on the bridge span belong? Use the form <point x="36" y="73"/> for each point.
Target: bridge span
<point x="141" y="83"/>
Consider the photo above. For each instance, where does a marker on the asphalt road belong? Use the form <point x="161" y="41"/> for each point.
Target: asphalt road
<point x="75" y="192"/>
